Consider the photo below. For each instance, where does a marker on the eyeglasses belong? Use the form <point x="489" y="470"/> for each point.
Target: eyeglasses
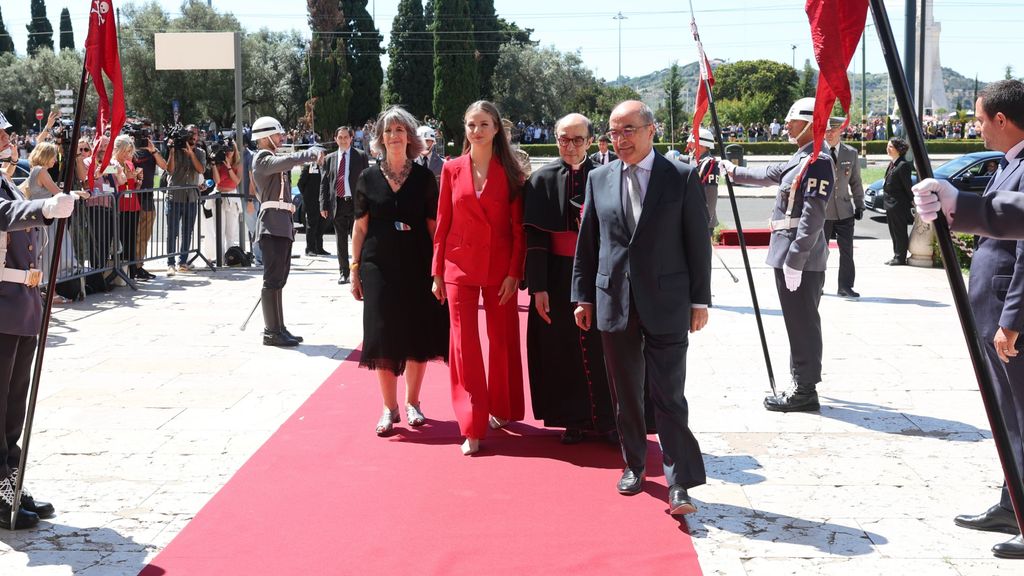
<point x="627" y="132"/>
<point x="577" y="141"/>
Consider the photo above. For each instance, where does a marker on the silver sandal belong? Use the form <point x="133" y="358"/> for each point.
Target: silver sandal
<point x="387" y="421"/>
<point x="414" y="415"/>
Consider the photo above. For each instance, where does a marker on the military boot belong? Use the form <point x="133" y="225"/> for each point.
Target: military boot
<point x="801" y="398"/>
<point x="24" y="519"/>
<point x="278" y="294"/>
<point x="37" y="507"/>
<point x="272" y="334"/>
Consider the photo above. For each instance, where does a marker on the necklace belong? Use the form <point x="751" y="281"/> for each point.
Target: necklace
<point x="397" y="177"/>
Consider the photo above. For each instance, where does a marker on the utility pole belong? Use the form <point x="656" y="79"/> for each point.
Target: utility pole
<point x="620" y="18"/>
<point x="793" y="46"/>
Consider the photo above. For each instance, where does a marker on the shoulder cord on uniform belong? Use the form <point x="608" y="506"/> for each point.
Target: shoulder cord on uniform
<point x="708" y="166"/>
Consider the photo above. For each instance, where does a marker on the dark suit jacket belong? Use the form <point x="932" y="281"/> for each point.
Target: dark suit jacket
<point x="997" y="269"/>
<point x="357" y="162"/>
<point x="596" y="157"/>
<point x="309" y="182"/>
<point x="897" y="186"/>
<point x="666" y="264"/>
<point x="478" y="241"/>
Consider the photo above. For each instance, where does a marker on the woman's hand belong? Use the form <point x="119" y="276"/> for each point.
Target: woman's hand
<point x="439" y="290"/>
<point x="357" y="286"/>
<point x="507" y="290"/>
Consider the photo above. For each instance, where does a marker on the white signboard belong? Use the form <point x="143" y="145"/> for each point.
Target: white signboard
<point x="195" y="50"/>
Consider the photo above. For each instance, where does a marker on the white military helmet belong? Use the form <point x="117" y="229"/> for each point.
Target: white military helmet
<point x="426" y="133"/>
<point x="707" y="139"/>
<point x="264" y="127"/>
<point x="802" y="109"/>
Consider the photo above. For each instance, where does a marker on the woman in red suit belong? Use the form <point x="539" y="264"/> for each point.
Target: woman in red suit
<point x="479" y="249"/>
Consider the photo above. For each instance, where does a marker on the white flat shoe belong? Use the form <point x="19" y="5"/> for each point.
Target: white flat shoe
<point x="470" y="446"/>
<point x="494" y="422"/>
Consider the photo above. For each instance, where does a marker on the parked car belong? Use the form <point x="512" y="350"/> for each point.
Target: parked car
<point x="299" y="216"/>
<point x="970" y="173"/>
<point x="21" y="172"/>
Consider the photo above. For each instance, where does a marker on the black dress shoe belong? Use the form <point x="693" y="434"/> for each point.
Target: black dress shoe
<point x="311" y="253"/>
<point x="896" y="262"/>
<point x="796" y="400"/>
<point x="848" y="292"/>
<point x="631" y="483"/>
<point x="37" y="507"/>
<point x="290" y="335"/>
<point x="679" y="501"/>
<point x="572" y="436"/>
<point x="343" y="280"/>
<point x="24" y="520"/>
<point x="322" y="252"/>
<point x="1012" y="548"/>
<point x="995" y="519"/>
<point x="278" y="339"/>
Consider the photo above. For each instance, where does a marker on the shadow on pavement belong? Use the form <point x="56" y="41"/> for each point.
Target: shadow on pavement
<point x="884" y="419"/>
<point x="78" y="547"/>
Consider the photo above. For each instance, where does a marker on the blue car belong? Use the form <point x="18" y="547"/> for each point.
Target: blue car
<point x="970" y="173"/>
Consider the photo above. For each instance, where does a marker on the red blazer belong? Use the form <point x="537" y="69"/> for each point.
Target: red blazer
<point x="478" y="241"/>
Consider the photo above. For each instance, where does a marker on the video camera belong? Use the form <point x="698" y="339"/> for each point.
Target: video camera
<point x="139" y="133"/>
<point x="178" y="136"/>
<point x="63" y="130"/>
<point x="219" y="150"/>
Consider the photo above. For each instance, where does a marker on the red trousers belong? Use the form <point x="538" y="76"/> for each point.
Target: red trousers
<point x="475" y="395"/>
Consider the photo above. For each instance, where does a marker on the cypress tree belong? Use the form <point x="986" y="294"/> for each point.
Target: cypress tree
<point x="428" y="14"/>
<point x="330" y="82"/>
<point x="411" y="68"/>
<point x="67" y="34"/>
<point x="40" y="31"/>
<point x="488" y="38"/>
<point x="363" y="52"/>
<point x="6" y="43"/>
<point x="455" y="67"/>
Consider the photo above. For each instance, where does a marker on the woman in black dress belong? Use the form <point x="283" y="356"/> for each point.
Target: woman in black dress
<point x="898" y="199"/>
<point x="404" y="326"/>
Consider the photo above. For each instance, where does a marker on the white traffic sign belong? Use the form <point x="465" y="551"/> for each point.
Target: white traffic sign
<point x="65" y="101"/>
<point x="67" y="109"/>
<point x="60" y="92"/>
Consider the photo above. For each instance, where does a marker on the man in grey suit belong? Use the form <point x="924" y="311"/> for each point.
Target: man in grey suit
<point x="603" y="155"/>
<point x="337" y="192"/>
<point x="845" y="205"/>
<point x="997" y="292"/>
<point x="643" y="266"/>
<point x="798" y="252"/>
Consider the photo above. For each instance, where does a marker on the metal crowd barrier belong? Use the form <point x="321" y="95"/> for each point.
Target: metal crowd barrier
<point x="104" y="239"/>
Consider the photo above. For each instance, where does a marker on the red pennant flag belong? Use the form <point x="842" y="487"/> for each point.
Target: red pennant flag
<point x="836" y="28"/>
<point x="706" y="80"/>
<point x="102" y="56"/>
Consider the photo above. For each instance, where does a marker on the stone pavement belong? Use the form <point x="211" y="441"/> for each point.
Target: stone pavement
<point x="151" y="401"/>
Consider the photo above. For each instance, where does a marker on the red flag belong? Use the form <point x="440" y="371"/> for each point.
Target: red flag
<point x="101" y="56"/>
<point x="836" y="28"/>
<point x="706" y="80"/>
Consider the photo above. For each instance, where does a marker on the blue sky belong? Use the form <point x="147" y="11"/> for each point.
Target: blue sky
<point x="656" y="32"/>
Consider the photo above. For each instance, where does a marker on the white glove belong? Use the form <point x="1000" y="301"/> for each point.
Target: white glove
<point x="793" y="277"/>
<point x="59" y="206"/>
<point x="729" y="167"/>
<point x="930" y="195"/>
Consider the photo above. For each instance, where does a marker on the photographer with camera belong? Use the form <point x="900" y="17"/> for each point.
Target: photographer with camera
<point x="226" y="169"/>
<point x="146" y="157"/>
<point x="186" y="165"/>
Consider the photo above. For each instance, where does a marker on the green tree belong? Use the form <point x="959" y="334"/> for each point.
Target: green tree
<point x="670" y="113"/>
<point x="363" y="51"/>
<point x="410" y="70"/>
<point x="535" y="84"/>
<point x="488" y="37"/>
<point x="455" y="68"/>
<point x="1009" y="73"/>
<point x="6" y="43"/>
<point x="67" y="34"/>
<point x="330" y="81"/>
<point x="807" y="86"/>
<point x="513" y="33"/>
<point x="746" y="78"/>
<point x="744" y="111"/>
<point x="29" y="84"/>
<point x="40" y="31"/>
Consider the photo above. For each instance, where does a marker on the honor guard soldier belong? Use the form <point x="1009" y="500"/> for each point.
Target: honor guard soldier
<point x="21" y="313"/>
<point x="845" y="206"/>
<point x="272" y="179"/>
<point x="708" y="172"/>
<point x="798" y="251"/>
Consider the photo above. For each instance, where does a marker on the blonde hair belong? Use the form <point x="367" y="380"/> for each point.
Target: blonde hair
<point x="43" y="154"/>
<point x="122" y="143"/>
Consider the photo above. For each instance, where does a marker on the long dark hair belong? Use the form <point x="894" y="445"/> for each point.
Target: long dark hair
<point x="501" y="148"/>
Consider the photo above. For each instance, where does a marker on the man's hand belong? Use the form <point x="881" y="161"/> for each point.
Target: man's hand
<point x="59" y="206"/>
<point x="729" y="167"/>
<point x="793" y="277"/>
<point x="930" y="195"/>
<point x="543" y="306"/>
<point x="858" y="213"/>
<point x="1006" y="343"/>
<point x="323" y="213"/>
<point x="698" y="318"/>
<point x="507" y="289"/>
<point x="584" y="314"/>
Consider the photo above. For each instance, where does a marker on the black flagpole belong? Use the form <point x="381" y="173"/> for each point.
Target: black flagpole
<point x="70" y="160"/>
<point x="912" y="125"/>
<point x="736" y="216"/>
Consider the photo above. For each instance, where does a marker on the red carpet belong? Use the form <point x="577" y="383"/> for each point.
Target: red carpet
<point x="325" y="496"/>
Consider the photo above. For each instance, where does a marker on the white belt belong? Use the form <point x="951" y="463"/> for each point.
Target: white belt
<point x="30" y="278"/>
<point x="277" y="205"/>
<point x="784" y="224"/>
